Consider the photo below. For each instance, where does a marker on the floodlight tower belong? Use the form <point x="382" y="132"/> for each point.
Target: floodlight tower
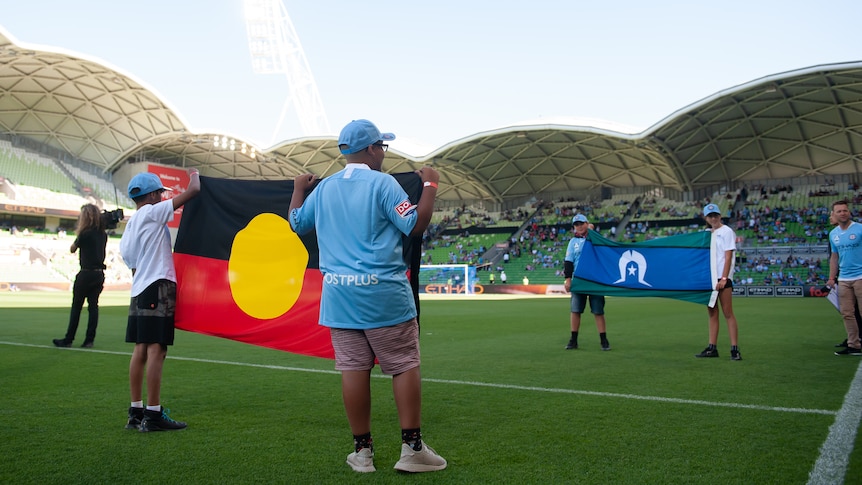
<point x="275" y="49"/>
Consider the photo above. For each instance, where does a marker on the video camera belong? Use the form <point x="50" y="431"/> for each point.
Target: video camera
<point x="112" y="218"/>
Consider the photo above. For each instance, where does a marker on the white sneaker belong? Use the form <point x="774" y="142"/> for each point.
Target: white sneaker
<point x="424" y="460"/>
<point x="362" y="461"/>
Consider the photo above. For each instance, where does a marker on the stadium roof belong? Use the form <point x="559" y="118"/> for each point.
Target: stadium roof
<point x="800" y="123"/>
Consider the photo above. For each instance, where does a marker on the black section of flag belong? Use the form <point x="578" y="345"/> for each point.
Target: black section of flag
<point x="240" y="201"/>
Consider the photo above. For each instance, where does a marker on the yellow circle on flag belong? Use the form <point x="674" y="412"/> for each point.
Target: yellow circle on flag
<point x="266" y="267"/>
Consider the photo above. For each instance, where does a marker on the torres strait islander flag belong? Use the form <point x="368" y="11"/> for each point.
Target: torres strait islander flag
<point x="670" y="267"/>
<point x="243" y="274"/>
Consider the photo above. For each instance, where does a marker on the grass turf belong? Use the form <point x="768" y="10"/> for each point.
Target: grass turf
<point x="503" y="402"/>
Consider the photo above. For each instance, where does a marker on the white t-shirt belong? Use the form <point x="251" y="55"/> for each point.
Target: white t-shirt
<point x="146" y="245"/>
<point x="723" y="239"/>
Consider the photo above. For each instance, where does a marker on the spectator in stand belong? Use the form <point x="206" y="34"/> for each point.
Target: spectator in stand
<point x="502" y="277"/>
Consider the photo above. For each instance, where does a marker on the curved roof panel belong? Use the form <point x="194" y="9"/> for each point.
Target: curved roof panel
<point x="799" y="123"/>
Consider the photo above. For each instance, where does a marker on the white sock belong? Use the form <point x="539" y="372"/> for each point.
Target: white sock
<point x="157" y="407"/>
<point x="138" y="404"/>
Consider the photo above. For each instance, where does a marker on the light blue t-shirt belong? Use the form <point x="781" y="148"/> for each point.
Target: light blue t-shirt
<point x="847" y="245"/>
<point x="573" y="251"/>
<point x="360" y="216"/>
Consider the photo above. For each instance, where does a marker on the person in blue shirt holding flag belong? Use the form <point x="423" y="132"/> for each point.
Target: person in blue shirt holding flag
<point x="360" y="215"/>
<point x="579" y="300"/>
<point x="721" y="248"/>
<point x="845" y="265"/>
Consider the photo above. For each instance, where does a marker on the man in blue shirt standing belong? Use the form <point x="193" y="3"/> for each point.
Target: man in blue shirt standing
<point x="845" y="264"/>
<point x="579" y="300"/>
<point x="360" y="215"/>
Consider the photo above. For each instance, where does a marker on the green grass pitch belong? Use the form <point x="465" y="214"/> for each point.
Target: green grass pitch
<point x="502" y="401"/>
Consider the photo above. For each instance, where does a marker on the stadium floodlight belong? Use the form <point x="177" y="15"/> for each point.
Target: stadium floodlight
<point x="275" y="49"/>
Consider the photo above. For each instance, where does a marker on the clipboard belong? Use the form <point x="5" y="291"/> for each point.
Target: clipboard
<point x="833" y="297"/>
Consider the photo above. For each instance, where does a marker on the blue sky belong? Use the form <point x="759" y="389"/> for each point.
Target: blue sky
<point x="435" y="72"/>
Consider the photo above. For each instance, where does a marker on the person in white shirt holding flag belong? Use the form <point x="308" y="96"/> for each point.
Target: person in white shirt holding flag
<point x="721" y="248"/>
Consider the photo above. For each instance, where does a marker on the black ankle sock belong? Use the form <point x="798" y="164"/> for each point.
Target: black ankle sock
<point x="363" y="441"/>
<point x="412" y="437"/>
<point x="734" y="347"/>
<point x="711" y="347"/>
<point x="603" y="336"/>
<point x="574" y="336"/>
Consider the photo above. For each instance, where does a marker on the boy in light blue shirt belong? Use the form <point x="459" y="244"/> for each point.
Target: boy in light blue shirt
<point x="360" y="215"/>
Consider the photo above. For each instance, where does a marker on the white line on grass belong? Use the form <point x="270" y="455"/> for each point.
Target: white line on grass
<point x="485" y="384"/>
<point x="831" y="466"/>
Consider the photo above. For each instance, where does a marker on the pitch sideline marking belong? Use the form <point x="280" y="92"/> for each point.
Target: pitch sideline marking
<point x="483" y="384"/>
<point x="831" y="465"/>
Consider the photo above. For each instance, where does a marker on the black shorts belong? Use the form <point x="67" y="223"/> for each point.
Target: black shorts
<point x="151" y="314"/>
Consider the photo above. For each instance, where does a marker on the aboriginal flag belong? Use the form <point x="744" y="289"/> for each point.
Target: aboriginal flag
<point x="243" y="274"/>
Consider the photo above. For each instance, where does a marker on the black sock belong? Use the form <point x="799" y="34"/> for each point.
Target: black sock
<point x="574" y="336"/>
<point x="711" y="347"/>
<point x="603" y="336"/>
<point x="734" y="347"/>
<point x="412" y="437"/>
<point x="363" y="441"/>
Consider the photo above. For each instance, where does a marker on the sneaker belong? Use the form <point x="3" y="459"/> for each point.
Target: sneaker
<point x="362" y="461"/>
<point x="159" y="421"/>
<point x="424" y="460"/>
<point x="707" y="352"/>
<point x="87" y="345"/>
<point x="849" y="351"/>
<point x="842" y="344"/>
<point x="135" y="417"/>
<point x="61" y="342"/>
<point x="606" y="345"/>
<point x="573" y="344"/>
<point x="735" y="355"/>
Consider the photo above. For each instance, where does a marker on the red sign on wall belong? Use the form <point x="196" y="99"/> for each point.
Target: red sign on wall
<point x="175" y="179"/>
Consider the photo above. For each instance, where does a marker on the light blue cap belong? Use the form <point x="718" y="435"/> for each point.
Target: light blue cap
<point x="579" y="218"/>
<point x="710" y="209"/>
<point x="144" y="183"/>
<point x="358" y="135"/>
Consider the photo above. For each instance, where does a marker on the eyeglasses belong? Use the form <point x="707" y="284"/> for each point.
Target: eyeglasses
<point x="383" y="146"/>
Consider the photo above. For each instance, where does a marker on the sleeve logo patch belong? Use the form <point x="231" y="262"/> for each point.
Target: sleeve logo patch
<point x="404" y="208"/>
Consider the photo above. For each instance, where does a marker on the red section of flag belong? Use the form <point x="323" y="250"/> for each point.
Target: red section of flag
<point x="205" y="305"/>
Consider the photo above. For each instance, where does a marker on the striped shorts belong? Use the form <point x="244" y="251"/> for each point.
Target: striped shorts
<point x="395" y="347"/>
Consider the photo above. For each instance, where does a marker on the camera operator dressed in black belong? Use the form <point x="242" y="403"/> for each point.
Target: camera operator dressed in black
<point x="90" y="280"/>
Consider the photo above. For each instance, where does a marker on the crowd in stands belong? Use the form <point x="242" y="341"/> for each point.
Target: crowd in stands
<point x="529" y="241"/>
<point x="762" y="216"/>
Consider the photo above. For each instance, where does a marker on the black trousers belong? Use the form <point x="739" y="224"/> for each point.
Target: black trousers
<point x="88" y="286"/>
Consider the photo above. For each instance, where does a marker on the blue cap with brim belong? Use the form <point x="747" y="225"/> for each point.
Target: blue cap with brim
<point x="579" y="218"/>
<point x="711" y="209"/>
<point x="358" y="135"/>
<point x="144" y="183"/>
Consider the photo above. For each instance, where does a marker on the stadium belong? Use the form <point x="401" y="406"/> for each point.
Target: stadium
<point x="776" y="151"/>
<point x="773" y="153"/>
